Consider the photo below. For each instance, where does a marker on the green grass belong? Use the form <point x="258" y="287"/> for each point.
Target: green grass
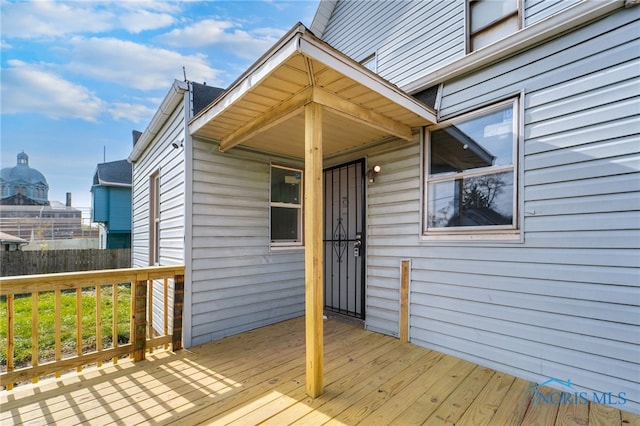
<point x="46" y="323"/>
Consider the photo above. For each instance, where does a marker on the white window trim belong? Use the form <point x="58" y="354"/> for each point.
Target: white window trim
<point x="288" y="244"/>
<point x="469" y="35"/>
<point x="477" y="233"/>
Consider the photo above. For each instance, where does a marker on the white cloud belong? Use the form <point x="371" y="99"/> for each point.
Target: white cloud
<point x="142" y="20"/>
<point x="136" y="113"/>
<point x="27" y="88"/>
<point x="202" y="33"/>
<point x="223" y="34"/>
<point x="135" y="65"/>
<point x="37" y="19"/>
<point x="46" y="19"/>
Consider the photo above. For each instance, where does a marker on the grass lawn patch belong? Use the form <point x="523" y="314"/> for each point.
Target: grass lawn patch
<point x="69" y="319"/>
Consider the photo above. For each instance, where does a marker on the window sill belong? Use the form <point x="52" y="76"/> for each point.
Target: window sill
<point x="286" y="247"/>
<point x="489" y="236"/>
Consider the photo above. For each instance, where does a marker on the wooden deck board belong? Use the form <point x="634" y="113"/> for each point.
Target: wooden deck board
<point x="258" y="377"/>
<point x="483" y="408"/>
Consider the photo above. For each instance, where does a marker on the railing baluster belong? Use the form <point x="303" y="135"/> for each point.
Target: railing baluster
<point x="150" y="312"/>
<point x="115" y="320"/>
<point x="99" y="321"/>
<point x="79" y="324"/>
<point x="10" y="337"/>
<point x="34" y="332"/>
<point x="54" y="336"/>
<point x="166" y="309"/>
<point x="58" y="327"/>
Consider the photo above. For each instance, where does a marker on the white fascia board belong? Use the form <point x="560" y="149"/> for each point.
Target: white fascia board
<point x="112" y="184"/>
<point x="300" y="40"/>
<point x="548" y="28"/>
<point x="322" y="16"/>
<point x="169" y="103"/>
<point x="332" y="58"/>
<point x="251" y="78"/>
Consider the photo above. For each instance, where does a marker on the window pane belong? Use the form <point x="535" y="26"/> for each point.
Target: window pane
<point x="483" y="141"/>
<point x="484" y="12"/>
<point x="285" y="224"/>
<point x="495" y="32"/>
<point x="285" y="185"/>
<point x="472" y="201"/>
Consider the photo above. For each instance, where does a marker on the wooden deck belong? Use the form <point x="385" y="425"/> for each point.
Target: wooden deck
<point x="258" y="377"/>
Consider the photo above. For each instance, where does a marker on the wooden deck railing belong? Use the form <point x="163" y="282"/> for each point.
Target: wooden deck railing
<point x="104" y="295"/>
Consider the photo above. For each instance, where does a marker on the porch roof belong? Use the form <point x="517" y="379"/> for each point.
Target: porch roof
<point x="264" y="108"/>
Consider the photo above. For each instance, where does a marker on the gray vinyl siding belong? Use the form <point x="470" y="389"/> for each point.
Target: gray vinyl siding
<point x="238" y="282"/>
<point x="393" y="229"/>
<point x="161" y="157"/>
<point x="537" y="10"/>
<point x="436" y="35"/>
<point x="565" y="302"/>
<point x="412" y="38"/>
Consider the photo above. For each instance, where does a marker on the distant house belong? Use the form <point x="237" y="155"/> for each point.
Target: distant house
<point x="111" y="202"/>
<point x="501" y="224"/>
<point x="10" y="242"/>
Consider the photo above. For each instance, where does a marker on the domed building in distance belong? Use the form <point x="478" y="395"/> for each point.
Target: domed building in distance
<point x="22" y="185"/>
<point x="27" y="213"/>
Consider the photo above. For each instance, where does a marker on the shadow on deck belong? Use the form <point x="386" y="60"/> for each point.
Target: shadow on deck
<point x="258" y="377"/>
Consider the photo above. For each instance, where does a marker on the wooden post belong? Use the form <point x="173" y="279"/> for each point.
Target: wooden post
<point x="404" y="300"/>
<point x="178" y="300"/>
<point x="139" y="310"/>
<point x="313" y="257"/>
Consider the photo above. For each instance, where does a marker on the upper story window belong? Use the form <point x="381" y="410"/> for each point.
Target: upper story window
<point x="286" y="206"/>
<point x="491" y="20"/>
<point x="471" y="174"/>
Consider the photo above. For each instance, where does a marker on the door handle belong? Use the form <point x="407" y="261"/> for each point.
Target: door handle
<point x="357" y="244"/>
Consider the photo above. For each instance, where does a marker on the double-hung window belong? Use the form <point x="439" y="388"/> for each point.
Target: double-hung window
<point x="286" y="206"/>
<point x="471" y="174"/>
<point x="491" y="20"/>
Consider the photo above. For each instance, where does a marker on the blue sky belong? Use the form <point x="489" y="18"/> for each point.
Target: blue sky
<point x="79" y="76"/>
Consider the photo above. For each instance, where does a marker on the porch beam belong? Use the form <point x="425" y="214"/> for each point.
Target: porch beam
<point x="313" y="256"/>
<point x="264" y="122"/>
<point x="361" y="114"/>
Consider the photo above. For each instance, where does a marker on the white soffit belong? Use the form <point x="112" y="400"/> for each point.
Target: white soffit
<point x="263" y="108"/>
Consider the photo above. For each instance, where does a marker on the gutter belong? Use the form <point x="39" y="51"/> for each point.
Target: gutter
<point x="168" y="105"/>
<point x="114" y="184"/>
<point x="538" y="33"/>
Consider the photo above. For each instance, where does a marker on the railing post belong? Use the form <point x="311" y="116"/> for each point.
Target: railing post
<point x="139" y="310"/>
<point x="178" y="300"/>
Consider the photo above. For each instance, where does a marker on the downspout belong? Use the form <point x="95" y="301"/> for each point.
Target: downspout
<point x="188" y="220"/>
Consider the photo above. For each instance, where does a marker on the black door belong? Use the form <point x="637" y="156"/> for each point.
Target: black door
<point x="344" y="231"/>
